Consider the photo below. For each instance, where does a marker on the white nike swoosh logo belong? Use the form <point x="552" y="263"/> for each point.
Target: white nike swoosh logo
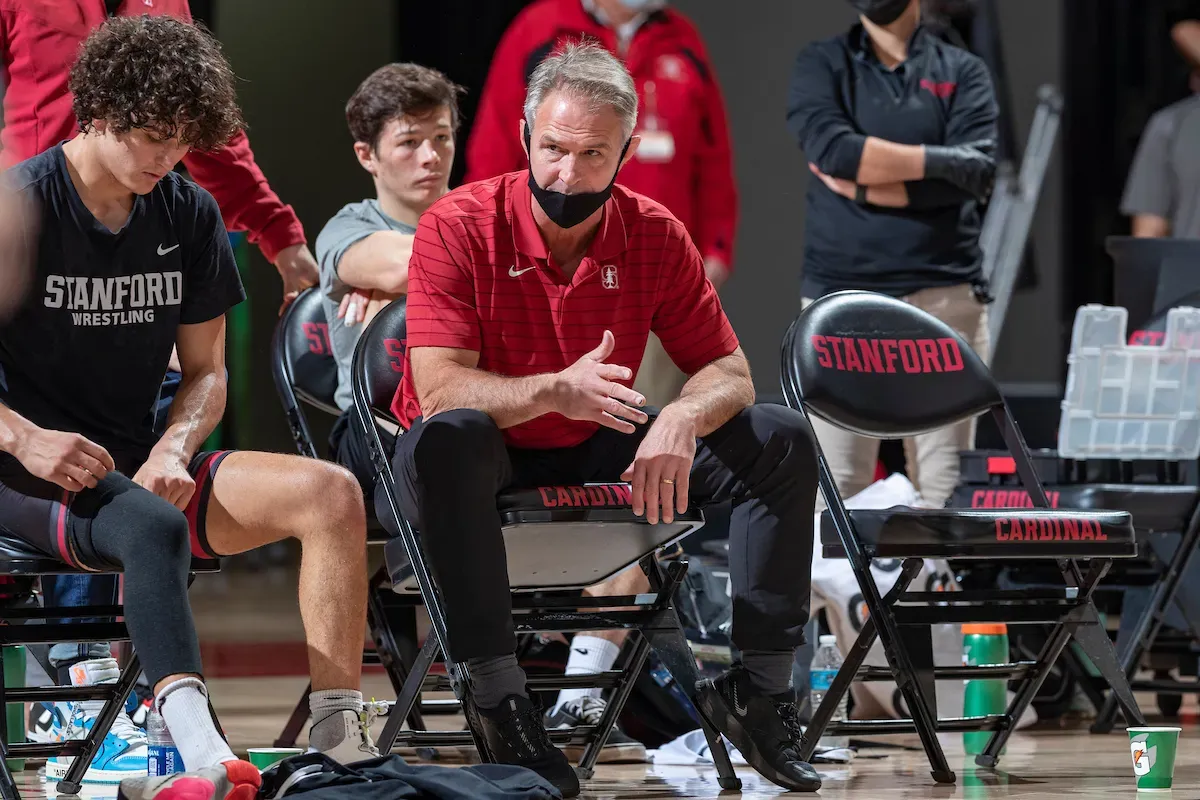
<point x="739" y="709"/>
<point x="163" y="252"/>
<point x="516" y="273"/>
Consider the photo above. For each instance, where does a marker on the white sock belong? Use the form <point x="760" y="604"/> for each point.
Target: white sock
<point x="184" y="706"/>
<point x="589" y="654"/>
<point x="325" y="704"/>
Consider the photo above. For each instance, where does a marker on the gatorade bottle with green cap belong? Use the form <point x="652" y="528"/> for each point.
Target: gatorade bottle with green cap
<point x="984" y="644"/>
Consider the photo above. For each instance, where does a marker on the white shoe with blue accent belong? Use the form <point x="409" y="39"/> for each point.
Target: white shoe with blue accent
<point x="123" y="753"/>
<point x="48" y="722"/>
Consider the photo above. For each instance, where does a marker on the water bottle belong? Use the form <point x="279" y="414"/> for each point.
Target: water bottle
<point x="825" y="665"/>
<point x="164" y="758"/>
<point x="983" y="644"/>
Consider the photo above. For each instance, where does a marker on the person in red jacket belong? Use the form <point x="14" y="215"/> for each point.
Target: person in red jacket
<point x="684" y="160"/>
<point x="40" y="39"/>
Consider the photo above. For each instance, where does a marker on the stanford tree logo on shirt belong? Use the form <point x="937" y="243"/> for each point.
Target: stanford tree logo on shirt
<point x="123" y="300"/>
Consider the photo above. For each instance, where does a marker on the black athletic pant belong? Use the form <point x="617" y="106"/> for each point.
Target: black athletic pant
<point x="450" y="468"/>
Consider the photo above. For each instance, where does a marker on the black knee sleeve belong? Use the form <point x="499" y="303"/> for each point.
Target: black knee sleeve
<point x="149" y="539"/>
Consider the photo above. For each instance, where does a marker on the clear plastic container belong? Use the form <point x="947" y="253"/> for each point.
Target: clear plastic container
<point x="825" y="665"/>
<point x="1131" y="401"/>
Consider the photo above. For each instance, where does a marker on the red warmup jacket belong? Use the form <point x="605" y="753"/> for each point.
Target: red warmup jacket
<point x="41" y="38"/>
<point x="678" y="92"/>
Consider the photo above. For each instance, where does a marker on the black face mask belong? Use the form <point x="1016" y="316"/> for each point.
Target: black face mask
<point x="569" y="210"/>
<point x="881" y="12"/>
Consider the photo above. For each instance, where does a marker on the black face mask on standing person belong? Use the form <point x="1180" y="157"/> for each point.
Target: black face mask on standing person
<point x="568" y="210"/>
<point x="881" y="12"/>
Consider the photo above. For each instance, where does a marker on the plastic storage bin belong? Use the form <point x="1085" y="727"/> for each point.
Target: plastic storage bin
<point x="1131" y="401"/>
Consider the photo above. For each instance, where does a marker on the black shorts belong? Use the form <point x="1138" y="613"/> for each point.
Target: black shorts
<point x="58" y="522"/>
<point x="348" y="447"/>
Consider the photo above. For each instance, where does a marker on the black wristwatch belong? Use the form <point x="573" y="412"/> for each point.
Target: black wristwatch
<point x="860" y="196"/>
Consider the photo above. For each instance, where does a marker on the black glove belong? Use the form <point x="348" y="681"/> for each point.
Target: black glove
<point x="970" y="167"/>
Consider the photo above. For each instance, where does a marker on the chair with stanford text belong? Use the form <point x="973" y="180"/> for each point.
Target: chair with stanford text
<point x="305" y="373"/>
<point x="558" y="540"/>
<point x="879" y="367"/>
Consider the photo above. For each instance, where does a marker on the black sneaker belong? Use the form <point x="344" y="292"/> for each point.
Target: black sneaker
<point x="515" y="734"/>
<point x="763" y="728"/>
<point x="619" y="748"/>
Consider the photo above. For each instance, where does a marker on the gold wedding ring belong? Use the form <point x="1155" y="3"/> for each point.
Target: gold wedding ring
<point x="670" y="481"/>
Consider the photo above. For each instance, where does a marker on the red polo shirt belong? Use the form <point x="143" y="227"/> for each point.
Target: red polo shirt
<point x="480" y="278"/>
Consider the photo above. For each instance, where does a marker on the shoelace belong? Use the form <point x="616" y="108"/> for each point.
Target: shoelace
<point x="122" y="727"/>
<point x="525" y="733"/>
<point x="371" y="712"/>
<point x="791" y="721"/>
<point x="588" y="709"/>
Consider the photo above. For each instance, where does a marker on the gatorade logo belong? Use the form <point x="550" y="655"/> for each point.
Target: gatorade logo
<point x="1143" y="757"/>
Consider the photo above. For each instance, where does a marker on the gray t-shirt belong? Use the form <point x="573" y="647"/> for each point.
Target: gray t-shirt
<point x="352" y="224"/>
<point x="1164" y="180"/>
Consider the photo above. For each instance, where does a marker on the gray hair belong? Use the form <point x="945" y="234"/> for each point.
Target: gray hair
<point x="588" y="72"/>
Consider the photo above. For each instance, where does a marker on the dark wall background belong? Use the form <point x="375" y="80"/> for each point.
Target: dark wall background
<point x="298" y="61"/>
<point x="1139" y="73"/>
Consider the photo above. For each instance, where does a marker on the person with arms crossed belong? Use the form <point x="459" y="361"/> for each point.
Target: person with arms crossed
<point x="530" y="299"/>
<point x="899" y="129"/>
<point x="132" y="260"/>
<point x="403" y="118"/>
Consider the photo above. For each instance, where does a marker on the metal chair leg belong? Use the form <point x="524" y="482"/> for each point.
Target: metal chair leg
<point x="632" y="668"/>
<point x="407" y="699"/>
<point x="295" y="723"/>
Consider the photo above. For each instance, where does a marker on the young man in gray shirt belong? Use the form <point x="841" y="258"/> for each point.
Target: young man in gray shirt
<point x="1162" y="194"/>
<point x="403" y="118"/>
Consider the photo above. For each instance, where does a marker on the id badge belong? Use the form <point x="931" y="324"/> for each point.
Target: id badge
<point x="657" y="147"/>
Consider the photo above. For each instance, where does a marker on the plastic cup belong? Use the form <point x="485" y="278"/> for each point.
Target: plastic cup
<point x="263" y="757"/>
<point x="1153" y="752"/>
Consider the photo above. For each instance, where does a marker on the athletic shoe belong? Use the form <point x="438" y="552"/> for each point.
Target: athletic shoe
<point x="48" y="722"/>
<point x="232" y="780"/>
<point x="619" y="748"/>
<point x="139" y="703"/>
<point x="357" y="744"/>
<point x="123" y="752"/>
<point x="764" y="729"/>
<point x="515" y="735"/>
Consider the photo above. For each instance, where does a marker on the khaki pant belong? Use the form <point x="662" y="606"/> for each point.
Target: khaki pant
<point x="658" y="378"/>
<point x="931" y="459"/>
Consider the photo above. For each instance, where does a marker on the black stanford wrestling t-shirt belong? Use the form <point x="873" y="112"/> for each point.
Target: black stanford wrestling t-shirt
<point x="89" y="346"/>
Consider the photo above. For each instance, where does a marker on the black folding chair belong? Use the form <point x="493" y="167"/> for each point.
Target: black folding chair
<point x="18" y="559"/>
<point x="1157" y="591"/>
<point x="879" y="367"/>
<point x="305" y="371"/>
<point x="558" y="540"/>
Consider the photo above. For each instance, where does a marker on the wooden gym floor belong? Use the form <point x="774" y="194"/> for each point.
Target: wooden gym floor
<point x="251" y="631"/>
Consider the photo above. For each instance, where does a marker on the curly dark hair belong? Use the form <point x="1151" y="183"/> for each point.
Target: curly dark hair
<point x="157" y="73"/>
<point x="395" y="90"/>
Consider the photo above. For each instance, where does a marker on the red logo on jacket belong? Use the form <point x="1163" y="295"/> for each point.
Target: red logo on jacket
<point x="943" y="89"/>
